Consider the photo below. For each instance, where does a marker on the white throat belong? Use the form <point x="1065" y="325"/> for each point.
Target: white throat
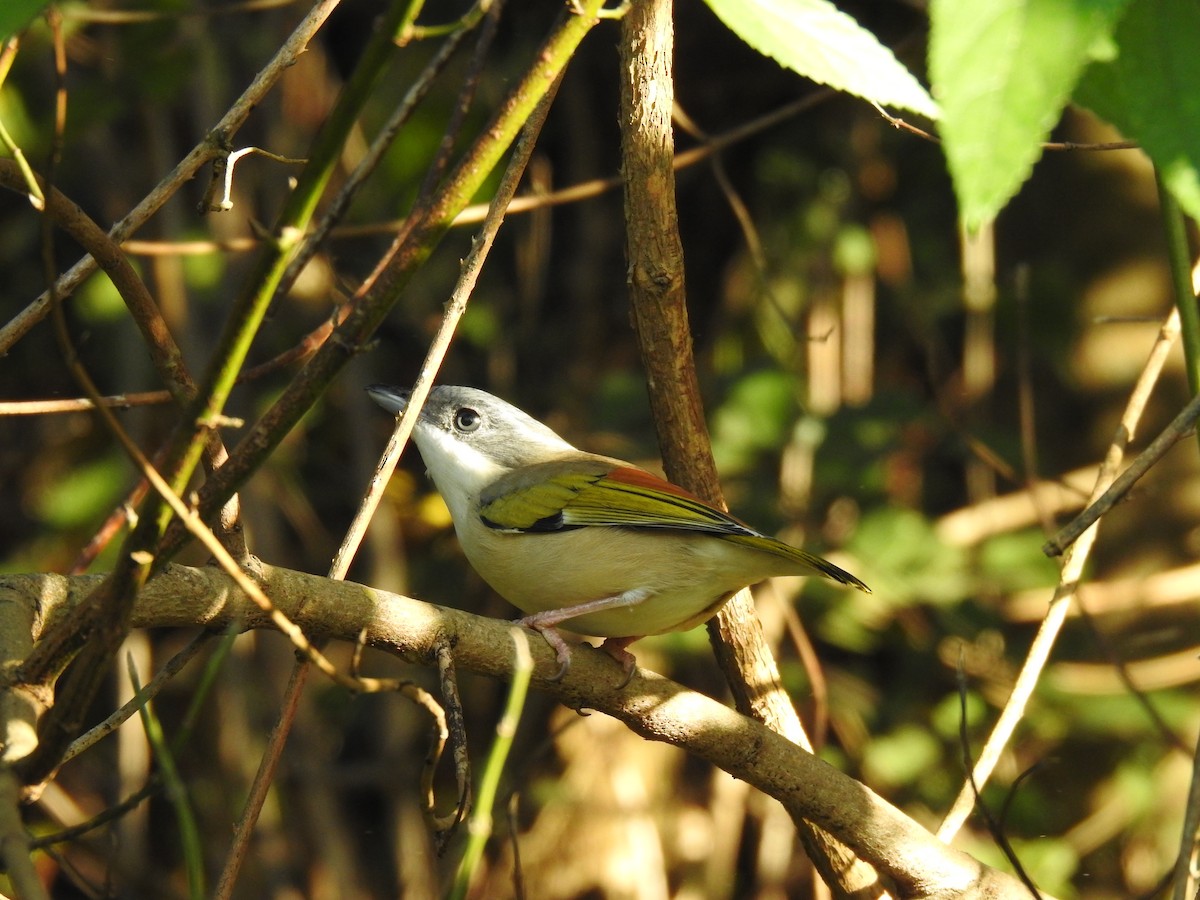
<point x="458" y="470"/>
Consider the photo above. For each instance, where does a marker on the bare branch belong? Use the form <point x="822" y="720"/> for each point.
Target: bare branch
<point x="652" y="706"/>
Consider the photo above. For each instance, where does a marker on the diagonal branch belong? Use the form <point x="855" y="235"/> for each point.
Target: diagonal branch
<point x="652" y="706"/>
<point x="1060" y="603"/>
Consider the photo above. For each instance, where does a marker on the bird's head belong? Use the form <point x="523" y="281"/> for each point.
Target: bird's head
<point x="468" y="438"/>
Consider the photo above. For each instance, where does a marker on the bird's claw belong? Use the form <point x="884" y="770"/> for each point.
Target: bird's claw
<point x="614" y="647"/>
<point x="562" y="650"/>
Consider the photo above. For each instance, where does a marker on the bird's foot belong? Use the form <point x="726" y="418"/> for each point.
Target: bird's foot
<point x="562" y="650"/>
<point x="615" y="647"/>
<point x="543" y="623"/>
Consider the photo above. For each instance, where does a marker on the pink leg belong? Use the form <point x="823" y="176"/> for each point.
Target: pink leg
<point x="544" y="622"/>
<point x="615" y="647"/>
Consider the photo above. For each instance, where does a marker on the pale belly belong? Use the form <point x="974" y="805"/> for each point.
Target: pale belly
<point x="689" y="577"/>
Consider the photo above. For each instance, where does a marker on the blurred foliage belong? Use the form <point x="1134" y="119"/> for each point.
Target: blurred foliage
<point x="848" y="215"/>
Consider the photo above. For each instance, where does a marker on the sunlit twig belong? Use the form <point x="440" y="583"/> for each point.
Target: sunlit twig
<point x="1039" y="651"/>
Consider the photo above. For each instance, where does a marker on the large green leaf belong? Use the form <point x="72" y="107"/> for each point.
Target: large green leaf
<point x="1002" y="71"/>
<point x="816" y="39"/>
<point x="1149" y="90"/>
<point x="16" y="14"/>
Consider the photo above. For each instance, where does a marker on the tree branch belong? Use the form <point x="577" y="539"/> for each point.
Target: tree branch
<point x="659" y="301"/>
<point x="652" y="706"/>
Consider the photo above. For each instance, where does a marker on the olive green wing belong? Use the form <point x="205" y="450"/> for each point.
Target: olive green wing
<point x="596" y="492"/>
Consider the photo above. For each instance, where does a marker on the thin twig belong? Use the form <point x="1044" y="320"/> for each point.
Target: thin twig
<point x="374" y="155"/>
<point x="174" y="789"/>
<point x="263" y="779"/>
<point x="106" y="815"/>
<point x="440" y="345"/>
<point x="1122" y="668"/>
<point x="438" y="165"/>
<point x="182" y="736"/>
<point x="138" y="16"/>
<point x="994" y="827"/>
<point x="113" y="401"/>
<point x="1182" y="267"/>
<point x="144" y="695"/>
<point x="36" y="197"/>
<point x="1187" y="863"/>
<point x="1029" y="454"/>
<point x="472" y="215"/>
<point x="512" y="809"/>
<point x="737" y="206"/>
<point x="8" y="53"/>
<point x="1043" y="642"/>
<point x="444" y="827"/>
<point x="479" y="829"/>
<point x="1180" y="427"/>
<point x="901" y="125"/>
<point x="107" y="254"/>
<point x="1026" y="402"/>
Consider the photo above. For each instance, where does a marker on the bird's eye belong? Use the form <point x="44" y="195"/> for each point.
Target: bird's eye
<point x="467" y="420"/>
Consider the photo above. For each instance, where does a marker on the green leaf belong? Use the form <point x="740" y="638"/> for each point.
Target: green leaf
<point x="16" y="14"/>
<point x="1002" y="71"/>
<point x="1148" y="91"/>
<point x="816" y="39"/>
<point x="900" y="757"/>
<point x="906" y="554"/>
<point x="755" y="417"/>
<point x="84" y="493"/>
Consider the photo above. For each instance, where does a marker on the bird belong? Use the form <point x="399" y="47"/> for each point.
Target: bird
<point x="597" y="545"/>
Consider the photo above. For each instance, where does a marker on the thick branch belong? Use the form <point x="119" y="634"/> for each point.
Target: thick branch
<point x="652" y="706"/>
<point x="659" y="301"/>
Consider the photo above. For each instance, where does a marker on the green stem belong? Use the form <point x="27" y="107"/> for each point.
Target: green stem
<point x="176" y="793"/>
<point x="1179" y="259"/>
<point x="465" y="22"/>
<point x="479" y="828"/>
<point x="35" y="190"/>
